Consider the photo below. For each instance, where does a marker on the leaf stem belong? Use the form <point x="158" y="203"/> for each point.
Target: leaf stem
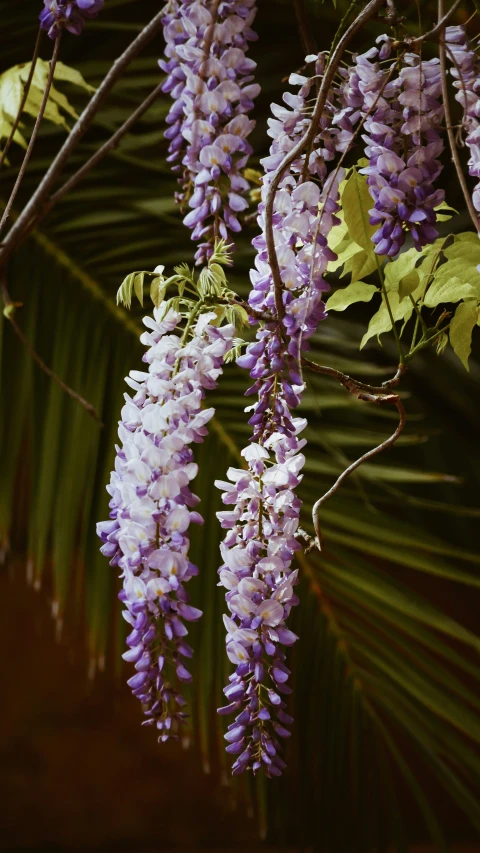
<point x="23" y="101"/>
<point x="419" y="319"/>
<point x="390" y="313"/>
<point x="33" y="138"/>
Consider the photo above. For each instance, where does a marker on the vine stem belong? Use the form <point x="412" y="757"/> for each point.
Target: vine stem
<point x="9" y="311"/>
<point x="305" y="141"/>
<point x="23" y="101"/>
<point x="387" y="399"/>
<point x="355" y="386"/>
<point x="33" y="138"/>
<point x="16" y="234"/>
<point x="448" y="120"/>
<point x="304" y="28"/>
<point x="437" y="30"/>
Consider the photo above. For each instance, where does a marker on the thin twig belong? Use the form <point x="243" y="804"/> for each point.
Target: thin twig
<point x="105" y="149"/>
<point x="448" y="121"/>
<point x="387" y="399"/>
<point x="33" y="138"/>
<point x="9" y="312"/>
<point x="327" y="81"/>
<point x="23" y="101"/>
<point x="355" y="386"/>
<point x="304" y="28"/>
<point x="437" y="30"/>
<point x="16" y="233"/>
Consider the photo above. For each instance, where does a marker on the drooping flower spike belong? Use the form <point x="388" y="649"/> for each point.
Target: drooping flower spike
<point x="152" y="505"/>
<point x="402" y="115"/>
<point x="59" y="15"/>
<point x="261" y="540"/>
<point x="210" y="79"/>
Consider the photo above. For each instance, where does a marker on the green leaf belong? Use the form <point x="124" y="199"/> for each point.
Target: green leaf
<point x="352" y="239"/>
<point x="451" y="290"/>
<point x="466" y="316"/>
<point x="380" y="322"/>
<point x="124" y="292"/>
<point x="138" y="286"/>
<point x="71" y="75"/>
<point x="401" y="275"/>
<point x="359" y="291"/>
<point x="12" y="84"/>
<point x="157" y="290"/>
<point x="356" y="202"/>
<point x="447" y="214"/>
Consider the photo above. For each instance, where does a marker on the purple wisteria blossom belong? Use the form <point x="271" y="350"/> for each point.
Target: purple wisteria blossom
<point x="152" y="506"/>
<point x="257" y="573"/>
<point x="304" y="213"/>
<point x="261" y="540"/>
<point x="59" y="15"/>
<point x="466" y="73"/>
<point x="403" y="114"/>
<point x="211" y="81"/>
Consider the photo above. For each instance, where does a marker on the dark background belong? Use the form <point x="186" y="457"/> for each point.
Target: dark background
<point x="77" y="772"/>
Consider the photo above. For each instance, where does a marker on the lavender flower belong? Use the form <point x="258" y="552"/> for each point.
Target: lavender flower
<point x="210" y="80"/>
<point x="304" y="212"/>
<point x="466" y="74"/>
<point x="152" y="506"/>
<point x="257" y="573"/>
<point x="403" y="115"/>
<point x="59" y="15"/>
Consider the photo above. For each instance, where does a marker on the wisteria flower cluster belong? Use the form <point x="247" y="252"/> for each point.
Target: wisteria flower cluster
<point x="257" y="554"/>
<point x="210" y="79"/>
<point x="261" y="542"/>
<point x="152" y="505"/>
<point x="304" y="212"/>
<point x="59" y="15"/>
<point x="402" y="114"/>
<point x="466" y="74"/>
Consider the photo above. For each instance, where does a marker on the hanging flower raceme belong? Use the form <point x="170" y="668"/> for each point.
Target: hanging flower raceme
<point x="210" y="79"/>
<point x="304" y="213"/>
<point x="466" y="73"/>
<point x="402" y="115"/>
<point x="59" y="15"/>
<point x="261" y="540"/>
<point x="152" y="505"/>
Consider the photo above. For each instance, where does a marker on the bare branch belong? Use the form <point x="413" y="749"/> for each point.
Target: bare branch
<point x="354" y="386"/>
<point x="33" y="138"/>
<point x="105" y="149"/>
<point x="23" y="101"/>
<point x="9" y="312"/>
<point x="16" y="233"/>
<point x="304" y="28"/>
<point x="437" y="30"/>
<point x="387" y="399"/>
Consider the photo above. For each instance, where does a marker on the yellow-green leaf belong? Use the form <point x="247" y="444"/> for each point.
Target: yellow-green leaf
<point x="157" y="290"/>
<point x="466" y="316"/>
<point x="452" y="290"/>
<point x="359" y="291"/>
